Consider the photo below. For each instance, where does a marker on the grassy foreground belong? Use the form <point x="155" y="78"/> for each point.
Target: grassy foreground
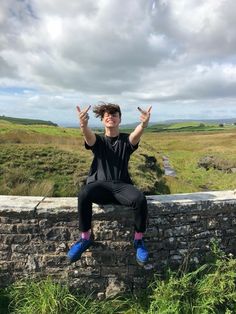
<point x="209" y="289"/>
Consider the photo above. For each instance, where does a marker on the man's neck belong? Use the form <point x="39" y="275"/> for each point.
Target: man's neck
<point x="112" y="132"/>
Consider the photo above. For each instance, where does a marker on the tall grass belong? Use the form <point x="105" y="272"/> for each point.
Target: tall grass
<point x="48" y="297"/>
<point x="40" y="170"/>
<point x="209" y="289"/>
<point x="44" y="297"/>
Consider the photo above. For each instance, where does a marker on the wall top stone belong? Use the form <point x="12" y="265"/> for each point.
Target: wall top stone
<point x="26" y="204"/>
<point x="44" y="205"/>
<point x="183" y="198"/>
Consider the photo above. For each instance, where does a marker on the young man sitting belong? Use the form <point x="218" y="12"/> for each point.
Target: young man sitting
<point x="108" y="180"/>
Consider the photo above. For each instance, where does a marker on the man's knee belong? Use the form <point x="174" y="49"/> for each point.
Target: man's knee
<point x="84" y="194"/>
<point x="140" y="200"/>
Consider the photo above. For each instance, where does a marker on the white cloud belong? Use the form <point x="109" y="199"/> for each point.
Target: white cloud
<point x="158" y="52"/>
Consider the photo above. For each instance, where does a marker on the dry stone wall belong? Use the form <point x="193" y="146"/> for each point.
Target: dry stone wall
<point x="36" y="232"/>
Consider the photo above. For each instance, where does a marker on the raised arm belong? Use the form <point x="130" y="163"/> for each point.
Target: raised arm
<point x="89" y="135"/>
<point x="135" y="136"/>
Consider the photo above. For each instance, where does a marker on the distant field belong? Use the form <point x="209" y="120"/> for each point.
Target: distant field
<point x="26" y="121"/>
<point x="8" y="127"/>
<point x="48" y="160"/>
<point x="192" y="127"/>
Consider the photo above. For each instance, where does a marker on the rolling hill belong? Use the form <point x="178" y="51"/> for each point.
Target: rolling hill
<point x="27" y="121"/>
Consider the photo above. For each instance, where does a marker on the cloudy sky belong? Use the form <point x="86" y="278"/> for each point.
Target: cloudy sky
<point x="178" y="56"/>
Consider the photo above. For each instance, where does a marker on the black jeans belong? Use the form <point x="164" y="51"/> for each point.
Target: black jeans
<point x="107" y="192"/>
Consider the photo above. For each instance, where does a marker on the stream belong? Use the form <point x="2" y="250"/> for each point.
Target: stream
<point x="167" y="168"/>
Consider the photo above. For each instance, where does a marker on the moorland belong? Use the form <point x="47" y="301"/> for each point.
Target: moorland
<point x="48" y="160"/>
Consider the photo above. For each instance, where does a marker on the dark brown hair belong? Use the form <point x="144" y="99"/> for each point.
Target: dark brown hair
<point x="100" y="110"/>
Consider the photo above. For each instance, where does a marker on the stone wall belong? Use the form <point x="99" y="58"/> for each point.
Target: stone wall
<point x="36" y="232"/>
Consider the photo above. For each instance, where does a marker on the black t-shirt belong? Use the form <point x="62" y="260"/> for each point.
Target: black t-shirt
<point x="111" y="158"/>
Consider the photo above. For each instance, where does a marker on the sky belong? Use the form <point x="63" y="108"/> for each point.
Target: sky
<point x="177" y="56"/>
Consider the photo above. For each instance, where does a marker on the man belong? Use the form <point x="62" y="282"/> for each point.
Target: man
<point x="108" y="179"/>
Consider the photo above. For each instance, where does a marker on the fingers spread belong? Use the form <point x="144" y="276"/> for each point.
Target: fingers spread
<point x="145" y="112"/>
<point x="84" y="110"/>
<point x="141" y="110"/>
<point x="83" y="115"/>
<point x="87" y="109"/>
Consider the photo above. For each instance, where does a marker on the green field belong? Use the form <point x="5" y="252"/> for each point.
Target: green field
<point x="26" y="121"/>
<point x="52" y="161"/>
<point x="192" y="127"/>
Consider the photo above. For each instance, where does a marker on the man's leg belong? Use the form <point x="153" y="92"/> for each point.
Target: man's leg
<point x="129" y="195"/>
<point x="97" y="192"/>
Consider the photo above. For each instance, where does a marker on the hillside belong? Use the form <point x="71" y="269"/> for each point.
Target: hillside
<point x="162" y="125"/>
<point x="49" y="160"/>
<point x="191" y="126"/>
<point x="25" y="121"/>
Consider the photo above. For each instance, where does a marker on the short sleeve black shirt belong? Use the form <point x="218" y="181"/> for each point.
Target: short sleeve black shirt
<point x="111" y="158"/>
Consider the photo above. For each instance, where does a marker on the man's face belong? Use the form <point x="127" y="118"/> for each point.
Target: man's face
<point x="111" y="119"/>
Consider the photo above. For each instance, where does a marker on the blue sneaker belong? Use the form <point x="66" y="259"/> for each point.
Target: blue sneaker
<point x="141" y="252"/>
<point x="77" y="249"/>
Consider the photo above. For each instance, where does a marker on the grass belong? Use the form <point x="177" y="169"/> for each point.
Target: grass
<point x="49" y="297"/>
<point x="40" y="170"/>
<point x="211" y="288"/>
<point x="47" y="160"/>
<point x="186" y="149"/>
<point x="51" y="161"/>
<point x="11" y="128"/>
<point x="191" y="127"/>
<point x="25" y="121"/>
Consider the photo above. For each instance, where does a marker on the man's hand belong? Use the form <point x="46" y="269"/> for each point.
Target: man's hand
<point x="89" y="135"/>
<point x="145" y="116"/>
<point x="135" y="136"/>
<point x="83" y="116"/>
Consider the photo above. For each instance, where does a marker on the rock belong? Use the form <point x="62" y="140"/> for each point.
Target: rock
<point x="150" y="161"/>
<point x="101" y="296"/>
<point x="61" y="248"/>
<point x="216" y="162"/>
<point x="114" y="287"/>
<point x="32" y="264"/>
<point x="206" y="162"/>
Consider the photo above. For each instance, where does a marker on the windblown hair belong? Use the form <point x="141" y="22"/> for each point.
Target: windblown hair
<point x="100" y="110"/>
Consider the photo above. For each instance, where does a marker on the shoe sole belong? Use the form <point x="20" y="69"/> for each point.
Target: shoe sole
<point x="77" y="258"/>
<point x="141" y="263"/>
<point x="71" y="261"/>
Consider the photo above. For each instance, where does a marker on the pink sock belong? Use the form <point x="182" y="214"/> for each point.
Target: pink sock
<point x="85" y="235"/>
<point x="138" y="235"/>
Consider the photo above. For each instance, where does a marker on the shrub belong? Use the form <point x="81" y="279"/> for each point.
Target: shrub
<point x="209" y="289"/>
